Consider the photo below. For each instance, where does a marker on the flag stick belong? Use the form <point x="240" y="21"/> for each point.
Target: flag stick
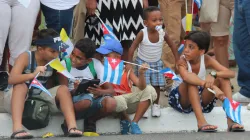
<point x="192" y="6"/>
<point x="209" y="89"/>
<point x="140" y="66"/>
<point x="186" y="6"/>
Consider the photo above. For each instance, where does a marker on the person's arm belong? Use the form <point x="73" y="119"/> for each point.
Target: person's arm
<point x="139" y="81"/>
<point x="172" y="46"/>
<point x="221" y="71"/>
<point x="16" y="76"/>
<point x="188" y="77"/>
<point x="135" y="45"/>
<point x="145" y="3"/>
<point x="91" y="6"/>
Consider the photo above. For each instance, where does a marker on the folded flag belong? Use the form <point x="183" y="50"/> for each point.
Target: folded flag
<point x="107" y="32"/>
<point x="233" y="110"/>
<point x="37" y="84"/>
<point x="56" y="64"/>
<point x="167" y="72"/>
<point x="113" y="69"/>
<point x="181" y="47"/>
<point x="68" y="42"/>
<point x="198" y="3"/>
<point x="189" y="20"/>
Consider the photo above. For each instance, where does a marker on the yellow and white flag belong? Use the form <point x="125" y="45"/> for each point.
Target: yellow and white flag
<point x="67" y="41"/>
<point x="56" y="64"/>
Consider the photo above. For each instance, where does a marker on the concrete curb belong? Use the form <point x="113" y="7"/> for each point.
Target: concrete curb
<point x="170" y="121"/>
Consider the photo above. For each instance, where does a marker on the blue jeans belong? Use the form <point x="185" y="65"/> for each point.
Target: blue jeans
<point x="58" y="19"/>
<point x="96" y="105"/>
<point x="241" y="44"/>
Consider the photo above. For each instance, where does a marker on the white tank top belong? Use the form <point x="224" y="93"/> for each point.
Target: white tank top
<point x="148" y="51"/>
<point x="60" y="4"/>
<point x="202" y="71"/>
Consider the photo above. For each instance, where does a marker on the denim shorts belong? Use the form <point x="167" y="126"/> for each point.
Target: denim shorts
<point x="95" y="106"/>
<point x="174" y="101"/>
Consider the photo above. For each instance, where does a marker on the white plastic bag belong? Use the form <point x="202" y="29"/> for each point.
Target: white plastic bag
<point x="209" y="10"/>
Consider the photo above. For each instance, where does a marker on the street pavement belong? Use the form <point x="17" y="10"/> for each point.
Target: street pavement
<point x="167" y="136"/>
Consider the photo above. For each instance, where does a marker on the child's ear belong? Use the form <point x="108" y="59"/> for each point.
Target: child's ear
<point x="89" y="60"/>
<point x="39" y="48"/>
<point x="145" y="22"/>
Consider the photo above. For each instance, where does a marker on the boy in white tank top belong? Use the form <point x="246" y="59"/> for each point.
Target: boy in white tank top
<point x="149" y="42"/>
<point x="192" y="94"/>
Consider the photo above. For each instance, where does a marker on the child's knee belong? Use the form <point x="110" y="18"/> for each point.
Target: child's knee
<point x="121" y="104"/>
<point x="221" y="81"/>
<point x="109" y="104"/>
<point x="149" y="94"/>
<point x="62" y="89"/>
<point x="20" y="89"/>
<point x="82" y="105"/>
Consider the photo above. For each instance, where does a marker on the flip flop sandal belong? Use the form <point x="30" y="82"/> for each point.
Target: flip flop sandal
<point x="27" y="136"/>
<point x="231" y="129"/>
<point x="67" y="132"/>
<point x="206" y="130"/>
<point x="74" y="134"/>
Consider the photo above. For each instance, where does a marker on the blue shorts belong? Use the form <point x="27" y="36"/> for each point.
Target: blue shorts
<point x="95" y="106"/>
<point x="152" y="77"/>
<point x="174" y="101"/>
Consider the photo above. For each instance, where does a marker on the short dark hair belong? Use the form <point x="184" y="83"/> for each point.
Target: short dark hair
<point x="201" y="38"/>
<point x="148" y="10"/>
<point x="45" y="33"/>
<point x="86" y="46"/>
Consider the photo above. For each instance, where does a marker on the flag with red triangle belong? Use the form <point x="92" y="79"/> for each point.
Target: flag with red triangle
<point x="113" y="69"/>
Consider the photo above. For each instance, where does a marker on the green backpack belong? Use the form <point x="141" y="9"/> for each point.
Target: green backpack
<point x="91" y="66"/>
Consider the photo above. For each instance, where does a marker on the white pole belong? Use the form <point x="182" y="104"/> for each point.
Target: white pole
<point x="140" y="66"/>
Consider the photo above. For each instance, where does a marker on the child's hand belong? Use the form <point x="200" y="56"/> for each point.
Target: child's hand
<point x="95" y="90"/>
<point x="143" y="68"/>
<point x="219" y="94"/>
<point x="40" y="69"/>
<point x="76" y="84"/>
<point x="128" y="67"/>
<point x="209" y="81"/>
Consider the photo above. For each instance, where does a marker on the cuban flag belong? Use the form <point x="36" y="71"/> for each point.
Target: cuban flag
<point x="37" y="84"/>
<point x="198" y="3"/>
<point x="181" y="47"/>
<point x="232" y="109"/>
<point x="113" y="69"/>
<point x="167" y="72"/>
<point x="108" y="32"/>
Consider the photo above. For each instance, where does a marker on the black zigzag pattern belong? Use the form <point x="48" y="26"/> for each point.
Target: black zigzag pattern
<point x="124" y="16"/>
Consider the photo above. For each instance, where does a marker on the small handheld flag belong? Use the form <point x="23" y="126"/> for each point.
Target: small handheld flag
<point x="231" y="108"/>
<point x="113" y="69"/>
<point x="56" y="64"/>
<point x="37" y="84"/>
<point x="67" y="41"/>
<point x="167" y="72"/>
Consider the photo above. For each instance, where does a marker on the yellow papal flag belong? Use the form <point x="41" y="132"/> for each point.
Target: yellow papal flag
<point x="67" y="41"/>
<point x="56" y="64"/>
<point x="189" y="19"/>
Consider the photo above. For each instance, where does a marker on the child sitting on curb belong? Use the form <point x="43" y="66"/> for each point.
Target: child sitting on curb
<point x="192" y="94"/>
<point x="129" y="99"/>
